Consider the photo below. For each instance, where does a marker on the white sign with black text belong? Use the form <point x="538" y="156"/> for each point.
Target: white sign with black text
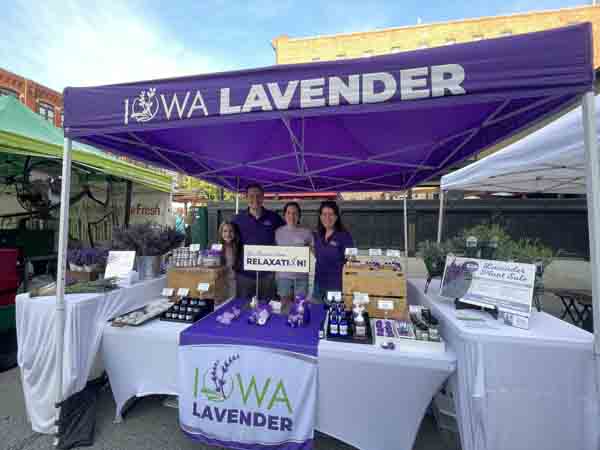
<point x="275" y="258"/>
<point x="507" y="286"/>
<point x="119" y="264"/>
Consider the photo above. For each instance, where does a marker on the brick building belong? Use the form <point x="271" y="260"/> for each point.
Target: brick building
<point x="378" y="42"/>
<point x="45" y="101"/>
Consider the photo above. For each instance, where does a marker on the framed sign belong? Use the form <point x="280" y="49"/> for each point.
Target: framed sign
<point x="274" y="258"/>
<point x="119" y="264"/>
<point x="507" y="286"/>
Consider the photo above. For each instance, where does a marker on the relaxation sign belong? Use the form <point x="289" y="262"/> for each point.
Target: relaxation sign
<point x="274" y="258"/>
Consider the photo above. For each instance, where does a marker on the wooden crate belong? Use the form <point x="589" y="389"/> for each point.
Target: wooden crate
<point x="82" y="276"/>
<point x="191" y="277"/>
<point x="384" y="282"/>
<point x="400" y="311"/>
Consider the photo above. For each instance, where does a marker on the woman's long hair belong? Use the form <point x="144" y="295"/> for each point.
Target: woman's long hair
<point x="338" y="226"/>
<point x="235" y="244"/>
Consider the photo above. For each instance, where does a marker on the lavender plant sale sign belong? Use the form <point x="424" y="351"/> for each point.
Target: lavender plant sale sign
<point x="505" y="285"/>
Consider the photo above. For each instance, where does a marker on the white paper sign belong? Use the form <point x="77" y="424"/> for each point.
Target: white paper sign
<point x="375" y="252"/>
<point x="505" y="285"/>
<point x="361" y="297"/>
<point x="393" y="253"/>
<point x="352" y="251"/>
<point x="386" y="305"/>
<point x="217" y="247"/>
<point x="334" y="296"/>
<point x="195" y="248"/>
<point x="203" y="287"/>
<point x="167" y="292"/>
<point x="182" y="292"/>
<point x="274" y="258"/>
<point x="119" y="264"/>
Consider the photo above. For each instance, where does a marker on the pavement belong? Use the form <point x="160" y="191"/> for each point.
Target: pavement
<point x="150" y="425"/>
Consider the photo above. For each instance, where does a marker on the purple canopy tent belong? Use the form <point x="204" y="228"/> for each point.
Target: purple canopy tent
<point x="371" y="124"/>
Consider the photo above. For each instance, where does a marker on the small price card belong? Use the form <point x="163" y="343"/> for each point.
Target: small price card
<point x="167" y="292"/>
<point x="203" y="287"/>
<point x="195" y="248"/>
<point x="334" y="296"/>
<point x="375" y="252"/>
<point x="119" y="264"/>
<point x="361" y="297"/>
<point x="182" y="292"/>
<point x="352" y="252"/>
<point x="385" y="305"/>
<point x="217" y="247"/>
<point x="393" y="253"/>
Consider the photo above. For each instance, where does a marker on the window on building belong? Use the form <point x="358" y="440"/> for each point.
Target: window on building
<point x="6" y="91"/>
<point x="395" y="49"/>
<point x="46" y="110"/>
<point x="478" y="37"/>
<point x="450" y="41"/>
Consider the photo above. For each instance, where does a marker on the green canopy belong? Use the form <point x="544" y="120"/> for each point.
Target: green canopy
<point x="25" y="133"/>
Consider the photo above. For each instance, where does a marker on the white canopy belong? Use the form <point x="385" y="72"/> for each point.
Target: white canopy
<point x="550" y="160"/>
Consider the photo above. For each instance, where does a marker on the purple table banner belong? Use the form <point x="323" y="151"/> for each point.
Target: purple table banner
<point x="248" y="387"/>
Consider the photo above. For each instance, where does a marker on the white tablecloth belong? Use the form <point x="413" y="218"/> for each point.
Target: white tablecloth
<point x="519" y="389"/>
<point x="371" y="398"/>
<point x="85" y="316"/>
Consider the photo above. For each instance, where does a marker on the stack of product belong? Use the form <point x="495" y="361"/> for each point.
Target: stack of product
<point x="347" y="325"/>
<point x="189" y="310"/>
<point x="382" y="278"/>
<point x="144" y="314"/>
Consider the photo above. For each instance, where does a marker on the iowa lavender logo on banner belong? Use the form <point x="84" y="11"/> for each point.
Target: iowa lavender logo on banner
<point x="145" y="106"/>
<point x="258" y="396"/>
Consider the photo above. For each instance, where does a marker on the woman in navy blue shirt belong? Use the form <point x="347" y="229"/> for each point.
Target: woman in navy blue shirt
<point x="330" y="243"/>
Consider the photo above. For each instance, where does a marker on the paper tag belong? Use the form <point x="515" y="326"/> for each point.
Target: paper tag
<point x="361" y="297"/>
<point x="386" y="305"/>
<point x="182" y="292"/>
<point x="334" y="296"/>
<point x="352" y="251"/>
<point x="167" y="292"/>
<point x="203" y="287"/>
<point x="119" y="264"/>
<point x="393" y="253"/>
<point x="375" y="252"/>
<point x="194" y="247"/>
<point x="217" y="247"/>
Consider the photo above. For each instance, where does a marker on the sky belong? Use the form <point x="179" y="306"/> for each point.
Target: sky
<point x="62" y="43"/>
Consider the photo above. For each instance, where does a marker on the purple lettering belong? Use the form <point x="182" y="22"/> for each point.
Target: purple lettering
<point x="220" y="415"/>
<point x="273" y="423"/>
<point x="207" y="413"/>
<point x="232" y="416"/>
<point x="245" y="419"/>
<point x="286" y="424"/>
<point x="261" y="422"/>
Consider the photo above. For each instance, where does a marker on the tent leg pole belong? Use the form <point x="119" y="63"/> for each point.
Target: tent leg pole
<point x="237" y="196"/>
<point x="63" y="242"/>
<point x="405" y="238"/>
<point x="593" y="206"/>
<point x="440" y="218"/>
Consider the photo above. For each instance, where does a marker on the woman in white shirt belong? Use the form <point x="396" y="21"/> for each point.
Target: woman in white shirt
<point x="292" y="235"/>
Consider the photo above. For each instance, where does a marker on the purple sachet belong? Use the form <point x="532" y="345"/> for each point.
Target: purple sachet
<point x="260" y="315"/>
<point x="228" y="316"/>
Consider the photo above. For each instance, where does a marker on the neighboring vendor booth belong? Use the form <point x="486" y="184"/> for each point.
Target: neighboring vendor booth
<point x="383" y="123"/>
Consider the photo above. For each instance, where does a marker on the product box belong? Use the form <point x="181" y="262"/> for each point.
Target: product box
<point x="82" y="276"/>
<point x="383" y="307"/>
<point x="190" y="277"/>
<point x="381" y="282"/>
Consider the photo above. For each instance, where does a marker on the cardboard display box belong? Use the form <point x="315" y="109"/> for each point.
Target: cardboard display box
<point x="377" y="307"/>
<point x="384" y="282"/>
<point x="190" y="277"/>
<point x="82" y="276"/>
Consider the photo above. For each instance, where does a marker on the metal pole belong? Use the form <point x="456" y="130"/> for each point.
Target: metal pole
<point x="440" y="217"/>
<point x="405" y="238"/>
<point x="128" y="195"/>
<point x="237" y="196"/>
<point x="593" y="207"/>
<point x="63" y="242"/>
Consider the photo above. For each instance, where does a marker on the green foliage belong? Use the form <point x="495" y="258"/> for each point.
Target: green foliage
<point x="434" y="255"/>
<point x="210" y="191"/>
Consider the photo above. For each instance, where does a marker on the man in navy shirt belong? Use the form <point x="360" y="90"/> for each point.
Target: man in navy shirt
<point x="257" y="227"/>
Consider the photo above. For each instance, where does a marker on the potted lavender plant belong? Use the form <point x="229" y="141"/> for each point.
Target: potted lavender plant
<point x="150" y="242"/>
